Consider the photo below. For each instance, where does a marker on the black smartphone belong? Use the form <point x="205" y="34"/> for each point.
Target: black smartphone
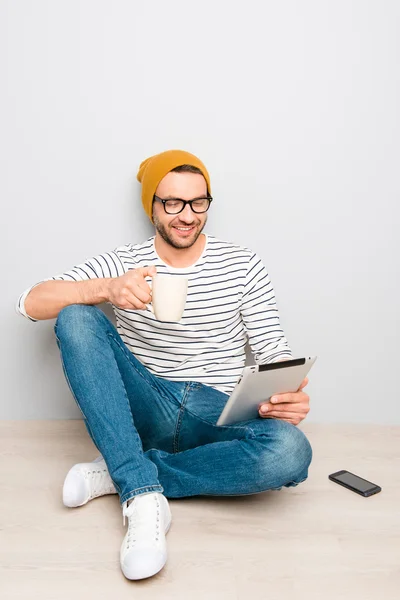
<point x="356" y="484"/>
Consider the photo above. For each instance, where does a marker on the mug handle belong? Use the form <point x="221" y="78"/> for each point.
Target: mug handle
<point x="149" y="305"/>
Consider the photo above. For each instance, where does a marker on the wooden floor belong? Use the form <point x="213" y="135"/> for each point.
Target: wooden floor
<point x="317" y="541"/>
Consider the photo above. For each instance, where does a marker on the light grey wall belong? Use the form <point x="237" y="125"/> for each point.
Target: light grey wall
<point x="294" y="108"/>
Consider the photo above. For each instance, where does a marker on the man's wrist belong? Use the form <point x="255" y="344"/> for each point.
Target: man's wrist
<point x="95" y="291"/>
<point x="105" y="289"/>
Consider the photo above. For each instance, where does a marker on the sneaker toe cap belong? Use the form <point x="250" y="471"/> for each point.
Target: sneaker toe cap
<point x="75" y="490"/>
<point x="142" y="563"/>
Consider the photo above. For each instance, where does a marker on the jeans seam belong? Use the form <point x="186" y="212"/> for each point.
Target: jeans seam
<point x="180" y="419"/>
<point x="128" y="406"/>
<point x="131" y="494"/>
<point x="68" y="381"/>
<point x="128" y="355"/>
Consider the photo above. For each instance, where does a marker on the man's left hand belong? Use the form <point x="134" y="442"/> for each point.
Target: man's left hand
<point x="292" y="407"/>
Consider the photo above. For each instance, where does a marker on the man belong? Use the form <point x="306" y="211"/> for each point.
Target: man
<point x="151" y="392"/>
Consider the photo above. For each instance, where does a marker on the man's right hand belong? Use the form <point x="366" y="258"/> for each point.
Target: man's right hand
<point x="131" y="290"/>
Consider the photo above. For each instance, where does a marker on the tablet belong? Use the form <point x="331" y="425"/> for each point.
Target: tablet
<point x="259" y="382"/>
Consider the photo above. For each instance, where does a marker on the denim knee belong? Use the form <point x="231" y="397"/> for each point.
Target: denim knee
<point x="291" y="452"/>
<point x="75" y="320"/>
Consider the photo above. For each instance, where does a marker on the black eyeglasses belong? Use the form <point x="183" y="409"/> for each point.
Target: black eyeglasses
<point x="173" y="206"/>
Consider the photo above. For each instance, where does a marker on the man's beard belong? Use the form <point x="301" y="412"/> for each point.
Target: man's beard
<point x="176" y="244"/>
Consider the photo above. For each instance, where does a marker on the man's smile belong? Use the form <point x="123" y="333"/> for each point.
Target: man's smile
<point x="184" y="231"/>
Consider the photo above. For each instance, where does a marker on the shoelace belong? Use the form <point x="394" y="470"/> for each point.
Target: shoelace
<point x="139" y="518"/>
<point x="99" y="482"/>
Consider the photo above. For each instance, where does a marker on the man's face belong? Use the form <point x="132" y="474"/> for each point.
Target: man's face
<point x="183" y="229"/>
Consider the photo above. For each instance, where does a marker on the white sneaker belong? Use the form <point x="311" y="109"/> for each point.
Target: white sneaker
<point x="86" y="481"/>
<point x="144" y="548"/>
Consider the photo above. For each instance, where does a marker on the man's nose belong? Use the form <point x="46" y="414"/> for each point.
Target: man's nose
<point x="187" y="214"/>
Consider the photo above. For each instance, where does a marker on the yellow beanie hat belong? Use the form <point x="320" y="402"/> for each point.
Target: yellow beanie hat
<point x="155" y="168"/>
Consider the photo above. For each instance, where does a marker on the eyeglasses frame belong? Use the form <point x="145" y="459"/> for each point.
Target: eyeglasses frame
<point x="190" y="202"/>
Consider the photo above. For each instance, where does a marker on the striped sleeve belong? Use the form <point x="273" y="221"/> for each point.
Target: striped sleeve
<point x="260" y="316"/>
<point x="109" y="264"/>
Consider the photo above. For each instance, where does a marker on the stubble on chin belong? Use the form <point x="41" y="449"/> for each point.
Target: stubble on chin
<point x="168" y="237"/>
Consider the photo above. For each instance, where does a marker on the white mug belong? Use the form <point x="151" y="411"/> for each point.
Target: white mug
<point x="168" y="297"/>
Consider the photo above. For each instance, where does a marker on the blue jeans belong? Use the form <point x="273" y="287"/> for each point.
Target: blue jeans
<point x="158" y="435"/>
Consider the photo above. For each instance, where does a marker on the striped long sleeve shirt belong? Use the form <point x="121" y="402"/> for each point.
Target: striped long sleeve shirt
<point x="230" y="300"/>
